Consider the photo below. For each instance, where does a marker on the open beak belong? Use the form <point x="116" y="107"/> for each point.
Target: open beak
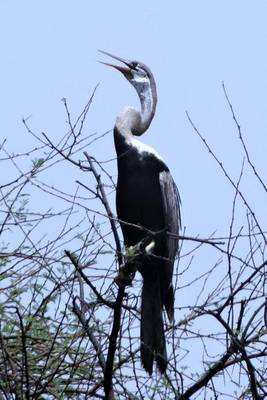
<point x="125" y="70"/>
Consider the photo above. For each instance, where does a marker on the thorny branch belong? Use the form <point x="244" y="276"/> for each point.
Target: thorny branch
<point x="228" y="177"/>
<point x="242" y="139"/>
<point x="75" y="334"/>
<point x="108" y="373"/>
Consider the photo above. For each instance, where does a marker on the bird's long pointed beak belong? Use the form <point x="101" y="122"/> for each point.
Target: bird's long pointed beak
<point x="126" y="71"/>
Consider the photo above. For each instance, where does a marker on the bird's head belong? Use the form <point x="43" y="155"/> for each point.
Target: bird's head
<point x="140" y="76"/>
<point x="137" y="73"/>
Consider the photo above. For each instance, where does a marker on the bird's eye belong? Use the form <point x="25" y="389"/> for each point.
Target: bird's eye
<point x="134" y="64"/>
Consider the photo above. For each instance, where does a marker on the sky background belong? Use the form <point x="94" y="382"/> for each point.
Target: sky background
<point x="49" y="51"/>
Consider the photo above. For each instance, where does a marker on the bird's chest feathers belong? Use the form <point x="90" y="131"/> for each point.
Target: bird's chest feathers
<point x="143" y="149"/>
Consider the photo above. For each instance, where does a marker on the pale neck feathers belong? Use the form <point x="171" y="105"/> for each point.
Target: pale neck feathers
<point x="131" y="122"/>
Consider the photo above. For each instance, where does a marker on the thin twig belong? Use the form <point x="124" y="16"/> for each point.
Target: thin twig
<point x="227" y="176"/>
<point x="79" y="269"/>
<point x="242" y="139"/>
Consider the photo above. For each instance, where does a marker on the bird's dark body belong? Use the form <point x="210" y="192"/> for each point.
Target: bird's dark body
<point x="147" y="197"/>
<point x="139" y="198"/>
<point x="139" y="201"/>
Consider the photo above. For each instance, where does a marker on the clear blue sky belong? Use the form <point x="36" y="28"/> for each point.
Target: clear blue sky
<point x="49" y="51"/>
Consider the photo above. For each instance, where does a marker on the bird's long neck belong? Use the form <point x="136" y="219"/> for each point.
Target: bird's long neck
<point x="132" y="122"/>
<point x="148" y="100"/>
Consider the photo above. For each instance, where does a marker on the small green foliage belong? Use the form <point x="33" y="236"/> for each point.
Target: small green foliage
<point x="38" y="163"/>
<point x="130" y="251"/>
<point x="3" y="261"/>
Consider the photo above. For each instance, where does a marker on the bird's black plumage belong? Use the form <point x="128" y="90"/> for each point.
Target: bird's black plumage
<point x="147" y="196"/>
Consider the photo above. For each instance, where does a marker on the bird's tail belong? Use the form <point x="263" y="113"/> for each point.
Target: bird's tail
<point x="153" y="346"/>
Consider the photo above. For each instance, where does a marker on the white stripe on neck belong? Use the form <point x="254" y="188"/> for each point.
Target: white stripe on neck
<point x="125" y="130"/>
<point x="142" y="147"/>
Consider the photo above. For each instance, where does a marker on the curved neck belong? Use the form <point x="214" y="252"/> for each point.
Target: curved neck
<point x="132" y="122"/>
<point x="148" y="100"/>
